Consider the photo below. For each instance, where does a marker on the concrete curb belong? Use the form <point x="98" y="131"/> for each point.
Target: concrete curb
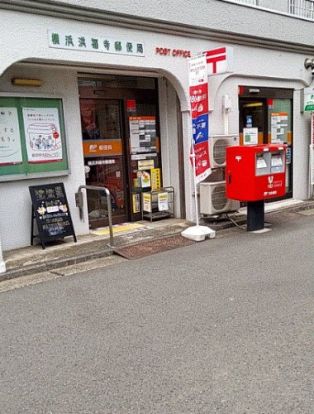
<point x="58" y="263"/>
<point x="54" y="264"/>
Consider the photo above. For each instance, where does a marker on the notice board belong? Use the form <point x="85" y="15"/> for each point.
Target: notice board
<point x="51" y="211"/>
<point x="32" y="136"/>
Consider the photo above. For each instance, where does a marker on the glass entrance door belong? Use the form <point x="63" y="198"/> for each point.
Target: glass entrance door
<point x="104" y="158"/>
<point x="272" y="118"/>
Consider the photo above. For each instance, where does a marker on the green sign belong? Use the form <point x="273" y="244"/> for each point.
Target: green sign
<point x="308" y="99"/>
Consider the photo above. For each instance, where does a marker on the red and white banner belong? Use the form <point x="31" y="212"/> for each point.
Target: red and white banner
<point x="199" y="111"/>
<point x="219" y="60"/>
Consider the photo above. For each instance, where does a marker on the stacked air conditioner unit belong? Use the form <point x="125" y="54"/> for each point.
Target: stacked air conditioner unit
<point x="213" y="200"/>
<point x="217" y="149"/>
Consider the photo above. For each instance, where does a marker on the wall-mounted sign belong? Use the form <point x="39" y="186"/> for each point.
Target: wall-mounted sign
<point x="219" y="60"/>
<point x="32" y="136"/>
<point x="308" y="103"/>
<point x="10" y="142"/>
<point x="83" y="42"/>
<point x="102" y="147"/>
<point x="164" y="51"/>
<point x="250" y="136"/>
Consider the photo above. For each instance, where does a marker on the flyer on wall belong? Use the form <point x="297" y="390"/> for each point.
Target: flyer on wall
<point x="10" y="141"/>
<point x="42" y="135"/>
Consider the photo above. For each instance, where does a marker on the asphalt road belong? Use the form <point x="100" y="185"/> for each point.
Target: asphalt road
<point x="224" y="326"/>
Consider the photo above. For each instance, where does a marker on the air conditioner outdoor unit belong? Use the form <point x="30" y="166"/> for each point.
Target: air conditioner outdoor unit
<point x="217" y="148"/>
<point x="213" y="199"/>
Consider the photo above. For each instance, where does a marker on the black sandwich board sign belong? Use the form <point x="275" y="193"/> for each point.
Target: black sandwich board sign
<point x="50" y="209"/>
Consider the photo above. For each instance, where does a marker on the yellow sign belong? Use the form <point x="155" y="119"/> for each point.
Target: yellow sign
<point x="163" y="202"/>
<point x="145" y="165"/>
<point x="155" y="179"/>
<point x="147" y="202"/>
<point x="136" y="203"/>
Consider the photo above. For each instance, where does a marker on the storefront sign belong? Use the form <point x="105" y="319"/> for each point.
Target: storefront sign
<point x="250" y="136"/>
<point x="163" y="201"/>
<point x="164" y="51"/>
<point x="102" y="147"/>
<point x="10" y="141"/>
<point x="308" y="103"/>
<point x="83" y="42"/>
<point x="51" y="211"/>
<point x="279" y="127"/>
<point x="42" y="134"/>
<point x="219" y="60"/>
<point x="198" y="80"/>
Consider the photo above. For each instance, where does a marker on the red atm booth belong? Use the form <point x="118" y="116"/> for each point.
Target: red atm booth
<point x="255" y="173"/>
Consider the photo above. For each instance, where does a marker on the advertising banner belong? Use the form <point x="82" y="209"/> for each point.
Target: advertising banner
<point x="199" y="111"/>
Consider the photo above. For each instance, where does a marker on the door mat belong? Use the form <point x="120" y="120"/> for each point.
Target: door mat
<point x="137" y="251"/>
<point x="119" y="228"/>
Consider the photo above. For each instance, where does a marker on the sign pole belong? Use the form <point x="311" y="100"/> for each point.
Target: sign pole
<point x="199" y="154"/>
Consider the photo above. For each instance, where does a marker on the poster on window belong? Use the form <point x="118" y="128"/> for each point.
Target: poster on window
<point x="279" y="127"/>
<point x="10" y="140"/>
<point x="42" y="135"/>
<point x="142" y="133"/>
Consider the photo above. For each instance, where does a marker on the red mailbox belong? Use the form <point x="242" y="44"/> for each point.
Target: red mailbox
<point x="256" y="172"/>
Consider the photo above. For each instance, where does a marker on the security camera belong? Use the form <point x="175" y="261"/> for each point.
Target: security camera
<point x="309" y="64"/>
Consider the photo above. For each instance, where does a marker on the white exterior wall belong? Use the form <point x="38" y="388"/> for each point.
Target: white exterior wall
<point x="253" y="66"/>
<point x="15" y="203"/>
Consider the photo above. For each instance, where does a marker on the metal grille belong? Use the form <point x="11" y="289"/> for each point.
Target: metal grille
<point x="302" y="8"/>
<point x="219" y="151"/>
<point x="219" y="200"/>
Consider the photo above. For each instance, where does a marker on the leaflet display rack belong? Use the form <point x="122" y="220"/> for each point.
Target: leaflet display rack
<point x="158" y="204"/>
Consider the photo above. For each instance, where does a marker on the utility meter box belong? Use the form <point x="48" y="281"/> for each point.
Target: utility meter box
<point x="256" y="172"/>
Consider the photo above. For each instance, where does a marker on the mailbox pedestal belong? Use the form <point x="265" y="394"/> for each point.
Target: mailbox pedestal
<point x="255" y="173"/>
<point x="255" y="215"/>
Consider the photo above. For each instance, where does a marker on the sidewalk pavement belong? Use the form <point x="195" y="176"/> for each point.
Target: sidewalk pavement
<point x="34" y="259"/>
